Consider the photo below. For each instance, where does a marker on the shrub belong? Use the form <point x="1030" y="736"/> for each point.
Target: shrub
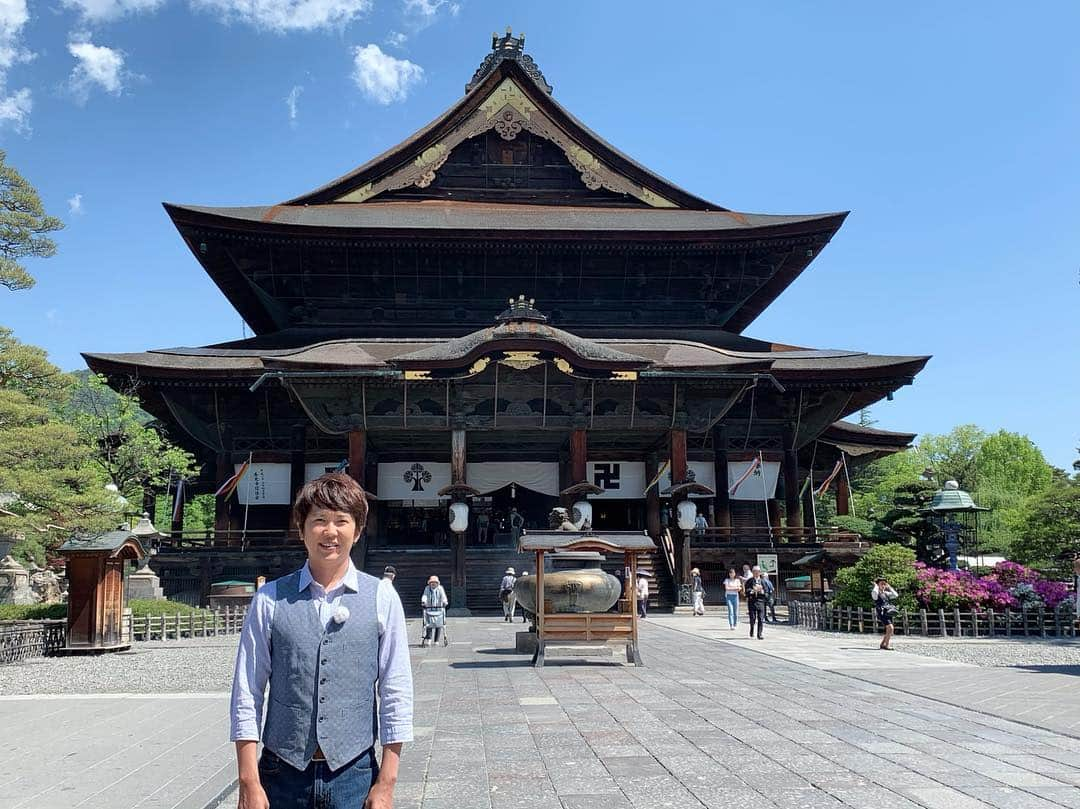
<point x="948" y="589"/>
<point x="893" y="562"/>
<point x="32" y="612"/>
<point x="142" y="607"/>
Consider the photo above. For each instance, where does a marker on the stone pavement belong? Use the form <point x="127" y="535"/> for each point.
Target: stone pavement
<point x="1047" y="697"/>
<point x="116" y="751"/>
<point x="706" y="723"/>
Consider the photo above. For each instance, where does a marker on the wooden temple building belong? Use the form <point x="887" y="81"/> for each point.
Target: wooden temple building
<point x="499" y="308"/>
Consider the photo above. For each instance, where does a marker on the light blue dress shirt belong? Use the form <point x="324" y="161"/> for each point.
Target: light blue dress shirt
<point x="253" y="657"/>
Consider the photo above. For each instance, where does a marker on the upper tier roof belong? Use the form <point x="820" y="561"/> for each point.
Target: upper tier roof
<point x="506" y="163"/>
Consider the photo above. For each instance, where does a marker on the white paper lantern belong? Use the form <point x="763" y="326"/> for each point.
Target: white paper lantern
<point x="459" y="517"/>
<point x="584" y="513"/>
<point x="687" y="514"/>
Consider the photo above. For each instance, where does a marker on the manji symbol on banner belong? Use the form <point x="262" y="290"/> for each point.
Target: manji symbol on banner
<point x="618" y="479"/>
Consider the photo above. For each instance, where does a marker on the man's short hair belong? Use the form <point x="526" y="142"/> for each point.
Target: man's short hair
<point x="335" y="491"/>
<point x="880" y="580"/>
<point x="390" y="569"/>
<point x="755" y="569"/>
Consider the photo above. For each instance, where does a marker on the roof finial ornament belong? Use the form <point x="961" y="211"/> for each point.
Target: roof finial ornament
<point x="505" y="47"/>
<point x="521" y="309"/>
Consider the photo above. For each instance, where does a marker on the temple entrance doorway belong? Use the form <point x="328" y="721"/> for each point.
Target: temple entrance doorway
<point x="497" y="509"/>
<point x="610" y="514"/>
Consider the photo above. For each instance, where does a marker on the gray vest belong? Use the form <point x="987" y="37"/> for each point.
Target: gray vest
<point x="322" y="682"/>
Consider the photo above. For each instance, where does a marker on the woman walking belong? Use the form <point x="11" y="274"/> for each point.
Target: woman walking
<point x="733" y="587"/>
<point x="698" y="590"/>
<point x="434" y="601"/>
<point x="883" y="596"/>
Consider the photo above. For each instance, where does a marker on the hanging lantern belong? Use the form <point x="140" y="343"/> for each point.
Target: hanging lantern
<point x="459" y="517"/>
<point x="687" y="511"/>
<point x="513" y="491"/>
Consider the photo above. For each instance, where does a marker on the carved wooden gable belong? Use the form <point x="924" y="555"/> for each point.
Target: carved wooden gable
<point x="506" y="113"/>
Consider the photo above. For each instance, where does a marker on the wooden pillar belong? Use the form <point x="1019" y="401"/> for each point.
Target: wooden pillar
<point x="808" y="508"/>
<point x="578" y="455"/>
<point x="457" y="542"/>
<point x="371" y="477"/>
<point x="357" y="453"/>
<point x="221" y="505"/>
<point x="774" y="514"/>
<point x="177" y="518"/>
<point x="652" y="498"/>
<point x="204" y="582"/>
<point x="722" y="516"/>
<point x="792" y="506"/>
<point x="843" y="497"/>
<point x="678" y="475"/>
<point x="297" y="470"/>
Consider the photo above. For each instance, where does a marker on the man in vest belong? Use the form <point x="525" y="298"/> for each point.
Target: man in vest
<point x="330" y="642"/>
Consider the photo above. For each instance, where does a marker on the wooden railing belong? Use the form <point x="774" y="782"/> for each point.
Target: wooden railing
<point x="719" y="537"/>
<point x="1059" y="622"/>
<point x="269" y="540"/>
<point x="202" y="624"/>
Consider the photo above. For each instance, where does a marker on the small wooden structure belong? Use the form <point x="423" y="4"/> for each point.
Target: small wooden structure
<point x="95" y="572"/>
<point x="589" y="628"/>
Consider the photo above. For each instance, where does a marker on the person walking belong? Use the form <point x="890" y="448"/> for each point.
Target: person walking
<point x="884" y="598"/>
<point x="517" y="524"/>
<point x="746" y="574"/>
<point x="506" y="595"/>
<point x="434" y="602"/>
<point x="389" y="573"/>
<point x="698" y="589"/>
<point x="770" y="602"/>
<point x="642" y="594"/>
<point x="733" y="588"/>
<point x="329" y="641"/>
<point x="758" y="589"/>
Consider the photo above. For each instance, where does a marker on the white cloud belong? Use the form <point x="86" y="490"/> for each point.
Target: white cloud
<point x="381" y="77"/>
<point x="75" y="207"/>
<point x="428" y="10"/>
<point x="291" y="100"/>
<point x="14" y="106"/>
<point x="105" y="10"/>
<point x="15" y="110"/>
<point x="96" y="65"/>
<point x="287" y="15"/>
<point x="395" y="39"/>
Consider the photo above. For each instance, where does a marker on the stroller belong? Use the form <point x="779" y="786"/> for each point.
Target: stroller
<point x="434" y="626"/>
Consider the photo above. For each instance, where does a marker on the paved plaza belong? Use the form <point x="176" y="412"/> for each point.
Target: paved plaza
<point x="714" y="720"/>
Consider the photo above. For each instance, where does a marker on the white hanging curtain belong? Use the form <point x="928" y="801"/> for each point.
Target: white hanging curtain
<point x="265" y="484"/>
<point x="487" y="477"/>
<point x="412" y="480"/>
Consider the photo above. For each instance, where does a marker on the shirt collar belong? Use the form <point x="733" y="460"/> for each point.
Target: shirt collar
<point x="351" y="580"/>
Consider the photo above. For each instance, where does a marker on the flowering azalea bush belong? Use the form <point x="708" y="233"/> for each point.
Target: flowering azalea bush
<point x="1008" y="586"/>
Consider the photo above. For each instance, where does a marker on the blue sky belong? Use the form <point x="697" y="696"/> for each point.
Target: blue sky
<point x="950" y="130"/>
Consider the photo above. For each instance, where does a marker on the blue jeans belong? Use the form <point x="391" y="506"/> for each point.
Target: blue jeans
<point x="289" y="788"/>
<point x="732" y="609"/>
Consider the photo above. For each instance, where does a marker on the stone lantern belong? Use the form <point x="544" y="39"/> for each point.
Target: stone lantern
<point x="14" y="582"/>
<point x="954" y="513"/>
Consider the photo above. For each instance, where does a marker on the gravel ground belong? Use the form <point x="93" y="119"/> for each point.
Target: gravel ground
<point x="998" y="653"/>
<point x="185" y="666"/>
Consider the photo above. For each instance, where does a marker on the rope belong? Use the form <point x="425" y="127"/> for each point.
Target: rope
<point x="750" y="421"/>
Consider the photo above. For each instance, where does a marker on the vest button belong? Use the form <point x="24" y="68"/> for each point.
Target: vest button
<point x="326" y="642"/>
<point x="325" y="661"/>
<point x="322" y="699"/>
<point x="322" y="718"/>
<point x="322" y="681"/>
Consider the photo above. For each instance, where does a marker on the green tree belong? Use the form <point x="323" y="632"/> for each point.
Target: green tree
<point x="48" y="483"/>
<point x="906" y="518"/>
<point x="131" y="452"/>
<point x="892" y="562"/>
<point x="1049" y="539"/>
<point x="26" y="368"/>
<point x="953" y="456"/>
<point x="23" y="227"/>
<point x="1009" y="471"/>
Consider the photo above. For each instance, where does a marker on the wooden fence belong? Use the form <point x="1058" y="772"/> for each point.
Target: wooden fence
<point x="1059" y="622"/>
<point x="204" y="624"/>
<point x="20" y="640"/>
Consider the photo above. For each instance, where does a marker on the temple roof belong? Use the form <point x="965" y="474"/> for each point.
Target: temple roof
<point x="384" y="218"/>
<point x="657" y="356"/>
